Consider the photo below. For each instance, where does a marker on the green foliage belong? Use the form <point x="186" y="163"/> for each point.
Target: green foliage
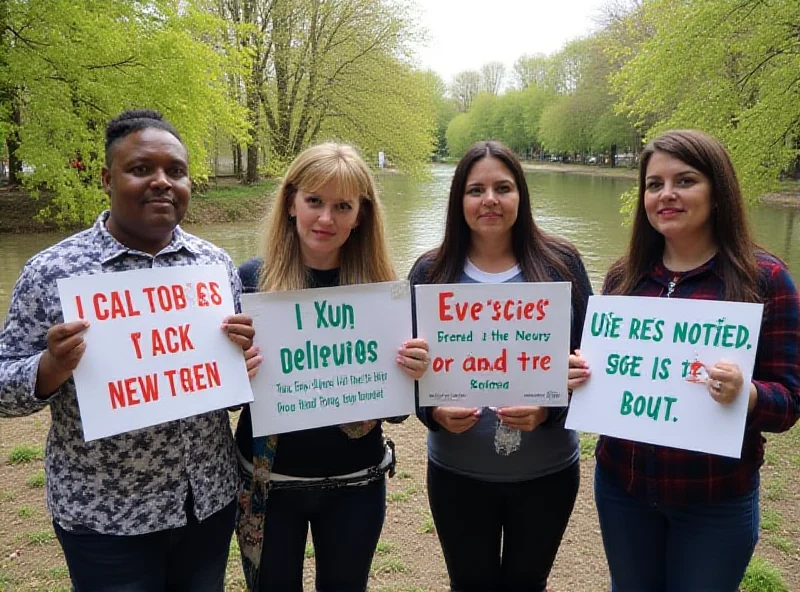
<point x="41" y="537"/>
<point x="563" y="104"/>
<point x="309" y="552"/>
<point x="36" y="481"/>
<point x="739" y="83"/>
<point x="388" y="566"/>
<point x="25" y="512"/>
<point x="428" y="527"/>
<point x="23" y="453"/>
<point x="761" y="576"/>
<point x="770" y="519"/>
<point x="69" y="71"/>
<point x="783" y="544"/>
<point x="333" y="70"/>
<point x="385" y="548"/>
<point x="587" y="445"/>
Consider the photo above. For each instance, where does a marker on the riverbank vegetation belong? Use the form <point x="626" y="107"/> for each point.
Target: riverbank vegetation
<point x="251" y="83"/>
<point x="728" y="67"/>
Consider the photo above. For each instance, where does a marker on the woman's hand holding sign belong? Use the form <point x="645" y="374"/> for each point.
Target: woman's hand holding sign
<point x="413" y="357"/>
<point x="725" y="382"/>
<point x="578" y="370"/>
<point x="253" y="360"/>
<point x="65" y="348"/>
<point x="526" y="418"/>
<point x="456" y="419"/>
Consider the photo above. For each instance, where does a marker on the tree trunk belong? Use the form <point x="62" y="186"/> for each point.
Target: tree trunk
<point x="12" y="144"/>
<point x="254" y="111"/>
<point x="252" y="163"/>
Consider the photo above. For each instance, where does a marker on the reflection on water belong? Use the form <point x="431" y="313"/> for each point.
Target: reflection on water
<point x="583" y="209"/>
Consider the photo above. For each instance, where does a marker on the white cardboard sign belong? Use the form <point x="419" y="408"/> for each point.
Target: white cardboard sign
<point x="329" y="356"/>
<point x="495" y="344"/>
<point x="647" y="358"/>
<point x="155" y="349"/>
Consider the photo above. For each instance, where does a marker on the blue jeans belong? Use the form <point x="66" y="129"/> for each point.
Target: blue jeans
<point x="187" y="559"/>
<point x="346" y="525"/>
<point x="652" y="548"/>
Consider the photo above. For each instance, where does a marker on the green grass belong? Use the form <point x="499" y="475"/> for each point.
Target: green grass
<point x="385" y="548"/>
<point x="6" y="496"/>
<point x="25" y="512"/>
<point x="58" y="572"/>
<point x="40" y="538"/>
<point x="388" y="566"/>
<point x="404" y="475"/>
<point x="23" y="453"/>
<point x="225" y="192"/>
<point x="427" y="524"/>
<point x="6" y="580"/>
<point x="36" y="481"/>
<point x="762" y="576"/>
<point x="783" y="544"/>
<point x="775" y="489"/>
<point x="770" y="519"/>
<point x="588" y="442"/>
<point x="233" y="551"/>
<point x="401" y="496"/>
<point x="309" y="552"/>
<point x="771" y="458"/>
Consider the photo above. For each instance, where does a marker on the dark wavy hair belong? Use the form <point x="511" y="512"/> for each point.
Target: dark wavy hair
<point x="131" y="121"/>
<point x="542" y="257"/>
<point x="736" y="258"/>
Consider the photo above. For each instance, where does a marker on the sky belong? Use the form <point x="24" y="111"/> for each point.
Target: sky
<point x="465" y="34"/>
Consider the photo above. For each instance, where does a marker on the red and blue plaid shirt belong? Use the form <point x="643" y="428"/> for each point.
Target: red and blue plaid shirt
<point x="669" y="476"/>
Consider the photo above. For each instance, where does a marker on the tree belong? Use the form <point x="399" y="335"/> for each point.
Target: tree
<point x="530" y="70"/>
<point x="464" y="87"/>
<point x="492" y="75"/>
<point x="320" y="68"/>
<point x="445" y="110"/>
<point x="740" y="84"/>
<point x="68" y="71"/>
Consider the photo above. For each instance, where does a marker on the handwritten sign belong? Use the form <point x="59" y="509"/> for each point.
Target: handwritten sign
<point x="495" y="344"/>
<point x="648" y="358"/>
<point x="155" y="350"/>
<point x="329" y="356"/>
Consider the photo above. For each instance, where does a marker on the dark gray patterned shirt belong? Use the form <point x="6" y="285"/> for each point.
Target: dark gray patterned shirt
<point x="133" y="483"/>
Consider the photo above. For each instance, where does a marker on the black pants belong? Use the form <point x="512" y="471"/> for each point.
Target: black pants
<point x="346" y="525"/>
<point x="500" y="537"/>
<point x="192" y="558"/>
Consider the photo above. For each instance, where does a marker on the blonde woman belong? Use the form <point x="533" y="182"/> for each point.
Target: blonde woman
<point x="325" y="229"/>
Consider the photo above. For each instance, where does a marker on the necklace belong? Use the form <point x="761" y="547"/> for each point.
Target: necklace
<point x="672" y="283"/>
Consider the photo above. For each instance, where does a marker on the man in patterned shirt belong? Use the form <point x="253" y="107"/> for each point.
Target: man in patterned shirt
<point x="153" y="509"/>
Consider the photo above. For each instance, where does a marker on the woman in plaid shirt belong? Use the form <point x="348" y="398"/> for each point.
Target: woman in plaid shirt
<point x="674" y="520"/>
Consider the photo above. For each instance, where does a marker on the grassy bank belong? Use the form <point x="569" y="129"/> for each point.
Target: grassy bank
<point x="229" y="201"/>
<point x="225" y="201"/>
<point x="619" y="172"/>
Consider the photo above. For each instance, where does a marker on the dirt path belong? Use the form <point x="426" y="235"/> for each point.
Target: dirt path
<point x="409" y="558"/>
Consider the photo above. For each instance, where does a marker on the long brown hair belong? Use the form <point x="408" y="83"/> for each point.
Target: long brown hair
<point x="736" y="260"/>
<point x="364" y="256"/>
<point x="541" y="256"/>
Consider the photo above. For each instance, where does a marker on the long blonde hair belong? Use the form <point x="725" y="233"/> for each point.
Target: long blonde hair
<point x="364" y="256"/>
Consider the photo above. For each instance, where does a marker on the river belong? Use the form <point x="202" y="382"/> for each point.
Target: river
<point x="582" y="208"/>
